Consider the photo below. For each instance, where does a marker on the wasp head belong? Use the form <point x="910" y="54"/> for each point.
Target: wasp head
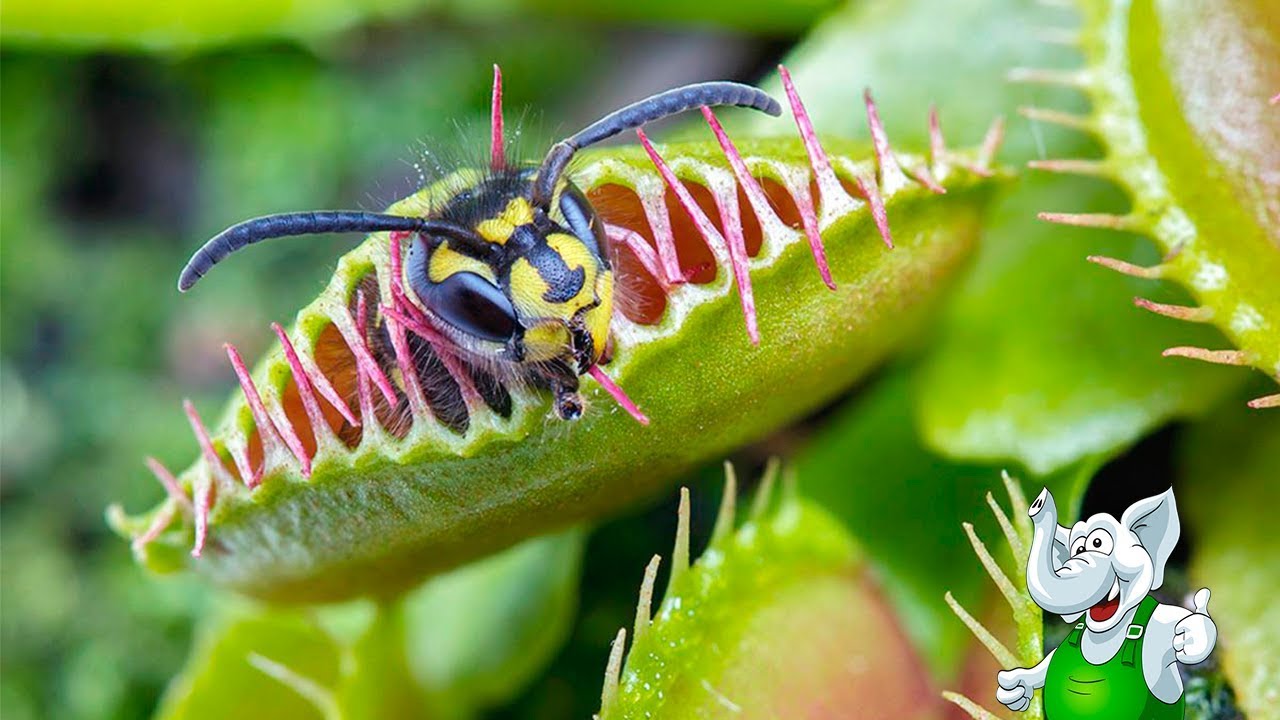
<point x="527" y="288"/>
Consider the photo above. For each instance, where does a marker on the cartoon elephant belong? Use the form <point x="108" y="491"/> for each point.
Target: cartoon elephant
<point x="1120" y="662"/>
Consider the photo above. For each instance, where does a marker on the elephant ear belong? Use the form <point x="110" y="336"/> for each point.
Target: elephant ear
<point x="1155" y="522"/>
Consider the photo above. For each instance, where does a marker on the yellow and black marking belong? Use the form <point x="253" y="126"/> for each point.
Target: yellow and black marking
<point x="514" y="267"/>
<point x="532" y="290"/>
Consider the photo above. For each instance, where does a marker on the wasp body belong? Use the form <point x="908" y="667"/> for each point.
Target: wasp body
<point x="514" y="270"/>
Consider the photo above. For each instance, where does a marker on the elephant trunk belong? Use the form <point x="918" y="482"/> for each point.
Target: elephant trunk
<point x="1055" y="588"/>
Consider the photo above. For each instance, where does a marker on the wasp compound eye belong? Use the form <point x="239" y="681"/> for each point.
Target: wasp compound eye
<point x="582" y="219"/>
<point x="473" y="305"/>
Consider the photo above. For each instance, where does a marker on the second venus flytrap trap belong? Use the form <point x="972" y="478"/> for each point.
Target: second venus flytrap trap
<point x="401" y="426"/>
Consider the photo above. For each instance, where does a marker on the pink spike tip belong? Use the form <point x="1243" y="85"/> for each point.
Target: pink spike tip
<point x="1219" y="357"/>
<point x="315" y="378"/>
<point x="170" y="484"/>
<point x="203" y="490"/>
<point x="822" y="172"/>
<point x="1177" y="312"/>
<point x="891" y="176"/>
<point x="832" y="194"/>
<point x="1269" y="401"/>
<point x="497" y="146"/>
<point x="617" y="393"/>
<point x="937" y="144"/>
<point x="817" y="156"/>
<point x="157" y="526"/>
<point x="358" y="342"/>
<point x="871" y="192"/>
<point x="304" y="383"/>
<point x="990" y="146"/>
<point x="1094" y="220"/>
<point x="737" y="248"/>
<point x="216" y="468"/>
<point x="757" y="197"/>
<point x="1126" y="268"/>
<point x="644" y="252"/>
<point x="269" y="430"/>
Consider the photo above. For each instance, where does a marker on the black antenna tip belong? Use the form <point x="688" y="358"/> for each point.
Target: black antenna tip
<point x="188" y="278"/>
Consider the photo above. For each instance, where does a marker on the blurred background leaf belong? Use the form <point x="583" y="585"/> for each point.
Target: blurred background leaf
<point x="160" y="25"/>
<point x="467" y="640"/>
<point x="480" y="634"/>
<point x="1229" y="489"/>
<point x="187" y="25"/>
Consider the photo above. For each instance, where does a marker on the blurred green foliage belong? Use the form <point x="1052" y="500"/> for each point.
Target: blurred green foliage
<point x="187" y="25"/>
<point x="464" y="641"/>
<point x="160" y="25"/>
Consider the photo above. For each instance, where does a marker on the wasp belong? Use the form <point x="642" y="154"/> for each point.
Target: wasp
<point x="513" y="269"/>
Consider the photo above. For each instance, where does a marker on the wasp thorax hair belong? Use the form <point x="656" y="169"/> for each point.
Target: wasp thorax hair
<point x="513" y="271"/>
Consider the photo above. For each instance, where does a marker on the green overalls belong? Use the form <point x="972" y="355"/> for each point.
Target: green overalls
<point x="1075" y="688"/>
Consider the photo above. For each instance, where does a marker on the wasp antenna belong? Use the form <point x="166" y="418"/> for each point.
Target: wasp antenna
<point x="656" y="107"/>
<point x="285" y="225"/>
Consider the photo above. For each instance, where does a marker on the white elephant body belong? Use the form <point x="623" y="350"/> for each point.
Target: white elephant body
<point x="1098" y="575"/>
<point x="1159" y="666"/>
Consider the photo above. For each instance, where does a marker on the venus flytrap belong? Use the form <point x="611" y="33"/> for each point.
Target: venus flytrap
<point x="336" y="471"/>
<point x="1195" y="145"/>
<point x="776" y="618"/>
<point x="1006" y="378"/>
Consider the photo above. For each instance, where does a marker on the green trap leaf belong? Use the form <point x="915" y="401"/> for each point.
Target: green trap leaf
<point x="395" y="498"/>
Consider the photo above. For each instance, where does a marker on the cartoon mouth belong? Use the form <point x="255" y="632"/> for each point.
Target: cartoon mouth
<point x="1105" y="609"/>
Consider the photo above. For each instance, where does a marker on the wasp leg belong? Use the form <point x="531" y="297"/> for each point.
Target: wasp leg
<point x="560" y="378"/>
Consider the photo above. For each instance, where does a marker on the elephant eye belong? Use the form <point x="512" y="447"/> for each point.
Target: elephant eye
<point x="1099" y="541"/>
<point x="1079" y="548"/>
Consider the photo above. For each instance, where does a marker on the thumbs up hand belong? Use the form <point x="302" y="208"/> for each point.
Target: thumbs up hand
<point x="1195" y="635"/>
